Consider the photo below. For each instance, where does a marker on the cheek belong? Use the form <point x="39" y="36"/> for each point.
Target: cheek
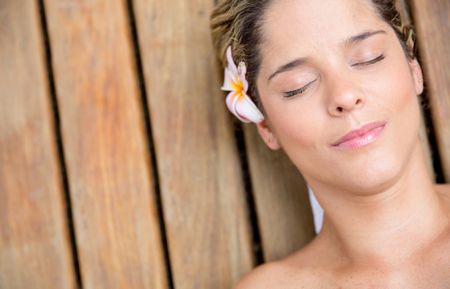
<point x="404" y="95"/>
<point x="407" y="109"/>
<point x="296" y="125"/>
<point x="399" y="95"/>
<point x="398" y="79"/>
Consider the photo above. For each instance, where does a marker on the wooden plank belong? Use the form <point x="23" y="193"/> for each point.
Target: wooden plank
<point x="281" y="198"/>
<point x="200" y="175"/>
<point x="116" y="224"/>
<point x="433" y="29"/>
<point x="404" y="9"/>
<point x="34" y="244"/>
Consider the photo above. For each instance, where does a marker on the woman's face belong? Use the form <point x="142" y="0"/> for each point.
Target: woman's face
<point x="330" y="67"/>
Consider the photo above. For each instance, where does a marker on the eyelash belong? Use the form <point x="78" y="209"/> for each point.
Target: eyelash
<point x="370" y="62"/>
<point x="298" y="91"/>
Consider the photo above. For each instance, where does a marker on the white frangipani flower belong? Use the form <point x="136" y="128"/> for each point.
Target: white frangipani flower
<point x="238" y="102"/>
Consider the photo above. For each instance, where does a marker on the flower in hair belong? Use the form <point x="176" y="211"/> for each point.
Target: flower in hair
<point x="238" y="102"/>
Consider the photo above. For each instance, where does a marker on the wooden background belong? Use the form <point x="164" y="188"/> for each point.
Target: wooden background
<point x="121" y="168"/>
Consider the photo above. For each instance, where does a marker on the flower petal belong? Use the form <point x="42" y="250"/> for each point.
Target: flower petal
<point x="233" y="110"/>
<point x="230" y="62"/>
<point x="228" y="80"/>
<point x="246" y="109"/>
<point x="231" y="97"/>
<point x="242" y="69"/>
<point x="245" y="84"/>
<point x="231" y="101"/>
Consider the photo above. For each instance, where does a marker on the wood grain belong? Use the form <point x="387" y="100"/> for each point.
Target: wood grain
<point x="433" y="29"/>
<point x="34" y="243"/>
<point x="109" y="174"/>
<point x="281" y="197"/>
<point x="200" y="176"/>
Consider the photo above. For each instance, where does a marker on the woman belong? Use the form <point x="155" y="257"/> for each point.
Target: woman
<point x="336" y="86"/>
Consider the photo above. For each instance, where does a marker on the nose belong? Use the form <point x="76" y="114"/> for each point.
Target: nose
<point x="344" y="97"/>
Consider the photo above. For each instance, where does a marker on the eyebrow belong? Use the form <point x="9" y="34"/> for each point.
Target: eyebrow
<point x="288" y="66"/>
<point x="360" y="37"/>
<point x="300" y="61"/>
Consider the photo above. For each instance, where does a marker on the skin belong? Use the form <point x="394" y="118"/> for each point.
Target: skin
<point x="386" y="224"/>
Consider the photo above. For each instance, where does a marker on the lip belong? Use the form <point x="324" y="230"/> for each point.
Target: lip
<point x="361" y="137"/>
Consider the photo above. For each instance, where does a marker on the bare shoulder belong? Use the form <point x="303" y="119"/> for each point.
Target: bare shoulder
<point x="294" y="271"/>
<point x="272" y="275"/>
<point x="263" y="276"/>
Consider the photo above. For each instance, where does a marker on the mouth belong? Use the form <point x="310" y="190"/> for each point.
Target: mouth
<point x="360" y="137"/>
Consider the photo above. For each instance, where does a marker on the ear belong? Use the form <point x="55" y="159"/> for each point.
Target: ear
<point x="267" y="135"/>
<point x="417" y="75"/>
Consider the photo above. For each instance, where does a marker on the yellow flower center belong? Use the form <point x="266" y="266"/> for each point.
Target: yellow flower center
<point x="238" y="86"/>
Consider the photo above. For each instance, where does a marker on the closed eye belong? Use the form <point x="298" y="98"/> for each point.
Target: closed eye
<point x="372" y="61"/>
<point x="298" y="91"/>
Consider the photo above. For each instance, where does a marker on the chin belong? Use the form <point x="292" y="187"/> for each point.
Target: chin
<point x="374" y="179"/>
<point x="380" y="171"/>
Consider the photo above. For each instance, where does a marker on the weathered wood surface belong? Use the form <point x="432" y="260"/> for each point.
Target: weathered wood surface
<point x="433" y="29"/>
<point x="281" y="198"/>
<point x="34" y="242"/>
<point x="200" y="176"/>
<point x="108" y="165"/>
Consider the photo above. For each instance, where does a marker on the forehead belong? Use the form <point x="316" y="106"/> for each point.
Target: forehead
<point x="307" y="24"/>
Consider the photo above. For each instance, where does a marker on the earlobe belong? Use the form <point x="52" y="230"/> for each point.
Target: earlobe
<point x="267" y="135"/>
<point x="417" y="76"/>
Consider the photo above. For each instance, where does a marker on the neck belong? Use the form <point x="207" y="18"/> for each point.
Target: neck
<point x="390" y="225"/>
